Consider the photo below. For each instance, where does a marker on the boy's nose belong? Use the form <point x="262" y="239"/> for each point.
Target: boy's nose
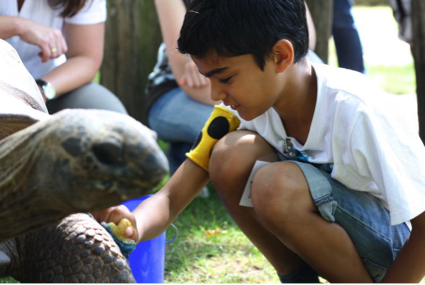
<point x="217" y="94"/>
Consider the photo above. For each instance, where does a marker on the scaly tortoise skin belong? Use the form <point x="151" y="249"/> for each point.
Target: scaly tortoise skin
<point x="75" y="161"/>
<point x="77" y="249"/>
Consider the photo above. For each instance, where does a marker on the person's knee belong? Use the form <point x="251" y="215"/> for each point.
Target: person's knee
<point x="228" y="158"/>
<point x="280" y="194"/>
<point x="232" y="160"/>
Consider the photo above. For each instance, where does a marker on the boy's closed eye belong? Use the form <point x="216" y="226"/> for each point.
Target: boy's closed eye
<point x="225" y="80"/>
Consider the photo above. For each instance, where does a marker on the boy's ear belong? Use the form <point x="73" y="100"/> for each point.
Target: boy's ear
<point x="283" y="54"/>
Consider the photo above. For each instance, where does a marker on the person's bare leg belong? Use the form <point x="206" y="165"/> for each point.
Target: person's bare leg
<point x="230" y="165"/>
<point x="283" y="204"/>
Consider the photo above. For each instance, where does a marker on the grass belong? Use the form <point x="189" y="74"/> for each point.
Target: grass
<point x="396" y="80"/>
<point x="229" y="257"/>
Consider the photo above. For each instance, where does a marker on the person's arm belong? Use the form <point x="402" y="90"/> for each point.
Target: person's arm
<point x="84" y="57"/>
<point x="49" y="40"/>
<point x="171" y="15"/>
<point x="409" y="266"/>
<point x="153" y="216"/>
<point x="9" y="27"/>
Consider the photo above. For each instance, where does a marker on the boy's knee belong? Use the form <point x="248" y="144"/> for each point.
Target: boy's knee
<point x="232" y="160"/>
<point x="227" y="156"/>
<point x="279" y="193"/>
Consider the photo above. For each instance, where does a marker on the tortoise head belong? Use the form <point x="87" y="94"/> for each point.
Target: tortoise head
<point x="96" y="158"/>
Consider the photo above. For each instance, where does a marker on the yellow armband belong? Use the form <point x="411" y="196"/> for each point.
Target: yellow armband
<point x="220" y="123"/>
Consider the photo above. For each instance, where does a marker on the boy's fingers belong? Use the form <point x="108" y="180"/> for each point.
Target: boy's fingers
<point x="131" y="234"/>
<point x="118" y="213"/>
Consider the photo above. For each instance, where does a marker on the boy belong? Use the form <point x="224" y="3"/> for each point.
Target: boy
<point x="348" y="180"/>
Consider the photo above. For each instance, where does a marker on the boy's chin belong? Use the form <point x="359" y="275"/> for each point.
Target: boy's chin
<point x="248" y="116"/>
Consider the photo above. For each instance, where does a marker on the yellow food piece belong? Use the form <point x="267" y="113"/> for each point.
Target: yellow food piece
<point x="119" y="230"/>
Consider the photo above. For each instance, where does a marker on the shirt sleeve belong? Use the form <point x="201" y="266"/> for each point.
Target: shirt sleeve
<point x="394" y="158"/>
<point x="93" y="12"/>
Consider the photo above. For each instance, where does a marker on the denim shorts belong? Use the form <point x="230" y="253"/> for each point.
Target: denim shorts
<point x="362" y="216"/>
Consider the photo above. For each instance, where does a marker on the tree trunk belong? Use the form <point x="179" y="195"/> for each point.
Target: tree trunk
<point x="321" y="12"/>
<point x="418" y="12"/>
<point x="131" y="42"/>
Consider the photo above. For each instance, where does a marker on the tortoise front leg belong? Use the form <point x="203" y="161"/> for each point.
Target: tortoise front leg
<point x="77" y="249"/>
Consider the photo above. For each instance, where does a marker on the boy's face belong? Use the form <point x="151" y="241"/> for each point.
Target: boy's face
<point x="241" y="84"/>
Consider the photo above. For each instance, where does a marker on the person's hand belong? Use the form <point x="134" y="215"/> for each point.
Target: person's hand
<point x="116" y="214"/>
<point x="192" y="77"/>
<point x="51" y="41"/>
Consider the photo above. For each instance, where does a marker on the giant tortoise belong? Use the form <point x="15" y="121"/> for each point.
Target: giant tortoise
<point x="55" y="168"/>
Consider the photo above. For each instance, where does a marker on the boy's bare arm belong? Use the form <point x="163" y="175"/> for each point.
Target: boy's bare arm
<point x="155" y="214"/>
<point x="409" y="266"/>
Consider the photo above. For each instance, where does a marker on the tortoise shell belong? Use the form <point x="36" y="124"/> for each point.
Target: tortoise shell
<point x="21" y="103"/>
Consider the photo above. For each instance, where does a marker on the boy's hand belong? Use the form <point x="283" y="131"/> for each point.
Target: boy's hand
<point x="115" y="215"/>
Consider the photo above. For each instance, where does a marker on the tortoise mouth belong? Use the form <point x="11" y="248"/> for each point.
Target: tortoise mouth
<point x="87" y="196"/>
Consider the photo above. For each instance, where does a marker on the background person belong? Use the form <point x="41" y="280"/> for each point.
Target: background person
<point x="178" y="96"/>
<point x="348" y="46"/>
<point x="61" y="44"/>
<point x="402" y="12"/>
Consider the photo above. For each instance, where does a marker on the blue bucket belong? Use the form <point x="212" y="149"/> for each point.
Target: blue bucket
<point x="147" y="260"/>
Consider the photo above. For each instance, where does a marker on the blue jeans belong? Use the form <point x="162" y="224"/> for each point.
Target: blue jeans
<point x="178" y="119"/>
<point x="361" y="215"/>
<point x="346" y="37"/>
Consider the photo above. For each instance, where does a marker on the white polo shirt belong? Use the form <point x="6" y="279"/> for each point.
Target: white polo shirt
<point x="357" y="139"/>
<point x="93" y="12"/>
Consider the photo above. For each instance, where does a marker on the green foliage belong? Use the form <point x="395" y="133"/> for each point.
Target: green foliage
<point x="8" y="280"/>
<point x="97" y="78"/>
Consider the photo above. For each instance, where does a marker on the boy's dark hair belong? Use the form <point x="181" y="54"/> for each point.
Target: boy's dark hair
<point x="239" y="27"/>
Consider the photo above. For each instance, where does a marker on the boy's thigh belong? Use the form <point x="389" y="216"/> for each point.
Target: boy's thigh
<point x="243" y="146"/>
<point x="235" y="154"/>
<point x="368" y="224"/>
<point x="362" y="216"/>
